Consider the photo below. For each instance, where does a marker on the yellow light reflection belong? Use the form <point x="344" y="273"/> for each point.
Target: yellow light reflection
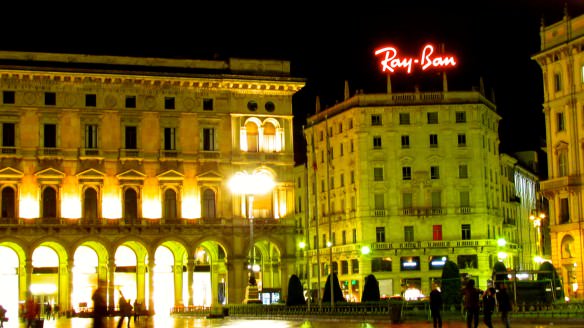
<point x="111" y="205"/>
<point x="191" y="206"/>
<point x="29" y="207"/>
<point x="43" y="289"/>
<point x="71" y="206"/>
<point x="151" y="208"/>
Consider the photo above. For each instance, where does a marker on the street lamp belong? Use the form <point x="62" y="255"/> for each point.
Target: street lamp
<point x="537" y="219"/>
<point x="258" y="182"/>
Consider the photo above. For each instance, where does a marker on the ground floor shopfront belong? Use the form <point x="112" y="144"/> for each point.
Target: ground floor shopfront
<point x="159" y="268"/>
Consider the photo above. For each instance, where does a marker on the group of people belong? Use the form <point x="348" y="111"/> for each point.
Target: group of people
<point x="472" y="297"/>
<point x="125" y="306"/>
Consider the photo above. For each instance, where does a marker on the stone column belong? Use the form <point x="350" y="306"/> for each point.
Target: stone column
<point x="178" y="284"/>
<point x="151" y="286"/>
<point x="111" y="269"/>
<point x="237" y="281"/>
<point x="190" y="270"/>
<point x="140" y="281"/>
<point x="66" y="302"/>
<point x="28" y="277"/>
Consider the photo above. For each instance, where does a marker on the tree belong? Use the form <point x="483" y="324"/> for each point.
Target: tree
<point x="370" y="290"/>
<point x="295" y="292"/>
<point x="338" y="293"/>
<point x="549" y="273"/>
<point x="499" y="273"/>
<point x="451" y="285"/>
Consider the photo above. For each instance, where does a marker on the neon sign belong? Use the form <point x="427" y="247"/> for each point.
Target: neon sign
<point x="391" y="62"/>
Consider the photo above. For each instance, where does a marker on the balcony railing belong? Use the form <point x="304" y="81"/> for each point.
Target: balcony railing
<point x="7" y="151"/>
<point x="130" y="153"/>
<point x="49" y="152"/>
<point x="423" y="211"/>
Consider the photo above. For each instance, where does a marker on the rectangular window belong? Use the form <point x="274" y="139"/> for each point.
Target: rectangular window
<point x="406" y="173"/>
<point x="463" y="171"/>
<point x="168" y="102"/>
<point x="91" y="136"/>
<point x="564" y="210"/>
<point x="464" y="199"/>
<point x="354" y="266"/>
<point x="341" y="150"/>
<point x="380" y="234"/>
<point x="340" y="127"/>
<point x="344" y="267"/>
<point x="375" y="119"/>
<point x="437" y="232"/>
<point x="334" y="238"/>
<point x="434" y="172"/>
<point x="377" y="174"/>
<point x="461" y="140"/>
<point x="436" y="199"/>
<point x="131" y="137"/>
<point x="405" y="141"/>
<point x="432" y="118"/>
<point x="50" y="98"/>
<point x="332" y="186"/>
<point x="468" y="261"/>
<point x="352" y="177"/>
<point x="208" y="104"/>
<point x="407" y="200"/>
<point x="209" y="139"/>
<point x="352" y="146"/>
<point x="342" y="180"/>
<point x="409" y="233"/>
<point x="433" y="141"/>
<point x="90" y="100"/>
<point x="8" y="97"/>
<point x="379" y="201"/>
<point x="50" y="136"/>
<point x="130" y="101"/>
<point x="460" y="117"/>
<point x="560" y="122"/>
<point x="377" y="142"/>
<point x="354" y="236"/>
<point x="557" y="82"/>
<point x="465" y="231"/>
<point x="436" y="262"/>
<point x="8" y="137"/>
<point x="404" y="118"/>
<point x="169" y="139"/>
<point x="381" y="264"/>
<point x="410" y="263"/>
<point x="344" y="237"/>
<point x="350" y="124"/>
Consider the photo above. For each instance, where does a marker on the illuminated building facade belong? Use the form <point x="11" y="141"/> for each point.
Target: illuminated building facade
<point x="413" y="178"/>
<point x="117" y="168"/>
<point x="561" y="59"/>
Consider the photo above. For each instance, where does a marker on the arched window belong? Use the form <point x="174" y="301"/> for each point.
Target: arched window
<point x="208" y="204"/>
<point x="130" y="205"/>
<point x="90" y="205"/>
<point x="170" y="209"/>
<point x="49" y="203"/>
<point x="270" y="141"/>
<point x="252" y="136"/>
<point x="8" y="203"/>
<point x="568" y="250"/>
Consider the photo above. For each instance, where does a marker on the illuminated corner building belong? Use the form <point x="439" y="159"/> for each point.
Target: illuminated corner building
<point x="561" y="59"/>
<point x="117" y="169"/>
<point x="415" y="177"/>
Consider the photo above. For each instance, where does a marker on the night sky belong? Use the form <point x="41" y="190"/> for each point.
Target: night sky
<point x="328" y="44"/>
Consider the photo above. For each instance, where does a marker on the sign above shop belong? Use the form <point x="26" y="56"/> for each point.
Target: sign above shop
<point x="392" y="62"/>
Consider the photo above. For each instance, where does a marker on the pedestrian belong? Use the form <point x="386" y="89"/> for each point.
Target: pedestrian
<point x="31" y="312"/>
<point x="99" y="305"/>
<point x="471" y="304"/>
<point x="436" y="305"/>
<point x="505" y="304"/>
<point x="2" y="316"/>
<point x="137" y="309"/>
<point x="489" y="304"/>
<point x="125" y="311"/>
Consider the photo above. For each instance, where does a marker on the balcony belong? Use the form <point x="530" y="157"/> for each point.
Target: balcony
<point x="49" y="153"/>
<point x="562" y="182"/>
<point x="167" y="154"/>
<point x="423" y="211"/>
<point x="9" y="152"/>
<point x="439" y="244"/>
<point x="209" y="155"/>
<point x="90" y="153"/>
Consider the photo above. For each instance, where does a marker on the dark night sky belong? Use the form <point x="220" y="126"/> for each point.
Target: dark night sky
<point x="327" y="45"/>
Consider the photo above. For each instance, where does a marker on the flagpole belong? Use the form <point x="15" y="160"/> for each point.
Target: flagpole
<point x="330" y="226"/>
<point x="316" y="244"/>
<point x="307" y="232"/>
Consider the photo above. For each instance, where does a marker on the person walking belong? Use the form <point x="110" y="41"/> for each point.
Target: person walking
<point x="436" y="305"/>
<point x="31" y="313"/>
<point x="471" y="304"/>
<point x="505" y="304"/>
<point x="125" y="311"/>
<point x="489" y="304"/>
<point x="99" y="306"/>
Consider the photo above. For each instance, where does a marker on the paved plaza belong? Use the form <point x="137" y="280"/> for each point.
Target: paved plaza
<point x="170" y="322"/>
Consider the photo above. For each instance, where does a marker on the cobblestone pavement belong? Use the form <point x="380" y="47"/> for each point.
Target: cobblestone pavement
<point x="171" y="322"/>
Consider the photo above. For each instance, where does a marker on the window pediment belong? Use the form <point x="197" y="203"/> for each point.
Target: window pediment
<point x="562" y="145"/>
<point x="210" y="176"/>
<point x="49" y="174"/>
<point x="131" y="177"/>
<point x="11" y="174"/>
<point x="171" y="175"/>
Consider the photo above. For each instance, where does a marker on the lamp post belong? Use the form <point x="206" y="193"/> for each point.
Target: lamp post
<point x="537" y="219"/>
<point x="248" y="185"/>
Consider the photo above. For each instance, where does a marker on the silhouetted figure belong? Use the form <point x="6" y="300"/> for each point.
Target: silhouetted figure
<point x="505" y="304"/>
<point x="125" y="311"/>
<point x="436" y="305"/>
<point x="471" y="304"/>
<point x="489" y="304"/>
<point x="99" y="306"/>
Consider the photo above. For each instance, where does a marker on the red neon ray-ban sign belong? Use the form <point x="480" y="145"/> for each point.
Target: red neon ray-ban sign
<point x="392" y="62"/>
